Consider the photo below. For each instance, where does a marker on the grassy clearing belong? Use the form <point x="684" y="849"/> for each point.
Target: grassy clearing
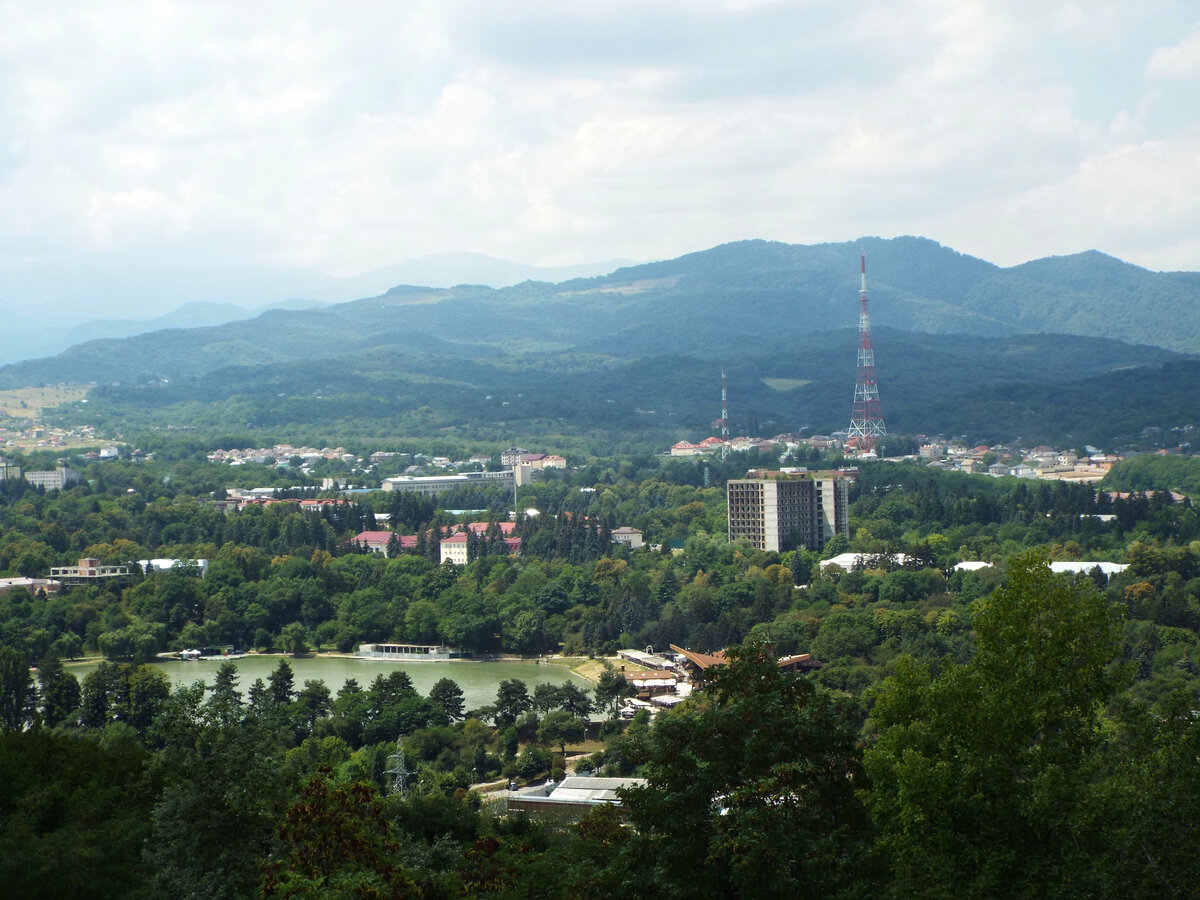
<point x="785" y="384"/>
<point x="29" y="402"/>
<point x="591" y="668"/>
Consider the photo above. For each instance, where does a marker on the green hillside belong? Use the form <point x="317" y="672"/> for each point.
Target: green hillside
<point x="1066" y="348"/>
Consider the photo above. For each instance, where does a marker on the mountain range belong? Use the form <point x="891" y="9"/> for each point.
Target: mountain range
<point x="640" y="349"/>
<point x="37" y="299"/>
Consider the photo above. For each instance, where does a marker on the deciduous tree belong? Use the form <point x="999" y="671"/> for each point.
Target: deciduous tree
<point x="979" y="773"/>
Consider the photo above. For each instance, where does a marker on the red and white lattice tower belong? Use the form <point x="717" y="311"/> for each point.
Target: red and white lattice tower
<point x="723" y="422"/>
<point x="866" y="421"/>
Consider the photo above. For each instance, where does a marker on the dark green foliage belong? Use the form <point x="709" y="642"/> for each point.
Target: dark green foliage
<point x="449" y="698"/>
<point x="512" y="700"/>
<point x="73" y="817"/>
<point x="980" y="776"/>
<point x="222" y="774"/>
<point x="122" y="692"/>
<point x="1149" y="472"/>
<point x="1153" y="791"/>
<point x="18" y="694"/>
<point x="336" y="842"/>
<point x="752" y="791"/>
<point x="60" y="693"/>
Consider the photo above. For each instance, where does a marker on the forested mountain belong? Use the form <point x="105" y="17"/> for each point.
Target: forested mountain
<point x="961" y="345"/>
<point x="992" y="390"/>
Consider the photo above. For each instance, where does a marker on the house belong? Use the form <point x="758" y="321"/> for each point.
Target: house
<point x="800" y="662"/>
<point x="630" y="537"/>
<point x="696" y="664"/>
<point x="684" y="448"/>
<point x="437" y="484"/>
<point x="505" y="528"/>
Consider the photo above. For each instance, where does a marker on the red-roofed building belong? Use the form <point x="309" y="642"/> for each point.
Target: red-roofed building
<point x="377" y="541"/>
<point x="454" y="549"/>
<point x="506" y="528"/>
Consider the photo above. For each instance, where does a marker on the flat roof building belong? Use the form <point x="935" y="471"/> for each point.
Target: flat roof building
<point x="54" y="479"/>
<point x="89" y="571"/>
<point x="438" y="484"/>
<point x="779" y="511"/>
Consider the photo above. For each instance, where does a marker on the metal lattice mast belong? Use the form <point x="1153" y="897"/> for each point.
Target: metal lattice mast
<point x="723" y="422"/>
<point x="398" y="769"/>
<point x="866" y="421"/>
<point x="724" y="418"/>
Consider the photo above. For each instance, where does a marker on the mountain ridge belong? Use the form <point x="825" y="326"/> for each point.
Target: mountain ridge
<point x="946" y="325"/>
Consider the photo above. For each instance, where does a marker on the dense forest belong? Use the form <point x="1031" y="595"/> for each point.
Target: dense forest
<point x="1002" y="731"/>
<point x="1117" y="395"/>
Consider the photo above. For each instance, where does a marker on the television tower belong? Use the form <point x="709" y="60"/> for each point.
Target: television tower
<point x="723" y="422"/>
<point x="866" y="421"/>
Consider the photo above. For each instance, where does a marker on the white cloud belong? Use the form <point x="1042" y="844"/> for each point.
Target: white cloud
<point x="354" y="136"/>
<point x="1179" y="61"/>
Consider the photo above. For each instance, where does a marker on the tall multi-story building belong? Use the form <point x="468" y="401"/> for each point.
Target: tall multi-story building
<point x="784" y="510"/>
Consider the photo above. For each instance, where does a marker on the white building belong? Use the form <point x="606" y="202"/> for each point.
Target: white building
<point x="438" y="484"/>
<point x="57" y="479"/>
<point x="630" y="537"/>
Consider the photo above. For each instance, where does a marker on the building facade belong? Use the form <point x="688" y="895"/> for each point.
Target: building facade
<point x="630" y="537"/>
<point x="89" y="571"/>
<point x="55" y="479"/>
<point x="439" y="484"/>
<point x="779" y="511"/>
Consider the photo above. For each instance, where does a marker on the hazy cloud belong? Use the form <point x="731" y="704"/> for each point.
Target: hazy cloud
<point x="355" y="136"/>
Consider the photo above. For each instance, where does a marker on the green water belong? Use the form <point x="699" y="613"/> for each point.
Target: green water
<point x="478" y="680"/>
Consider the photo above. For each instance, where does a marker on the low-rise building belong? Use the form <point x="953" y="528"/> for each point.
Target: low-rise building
<point x="573" y="797"/>
<point x="630" y="537"/>
<point x="429" y="485"/>
<point x="55" y="479"/>
<point x="32" y="585"/>
<point x="88" y="571"/>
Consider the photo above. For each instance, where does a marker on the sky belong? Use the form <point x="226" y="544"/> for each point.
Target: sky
<point x="171" y="139"/>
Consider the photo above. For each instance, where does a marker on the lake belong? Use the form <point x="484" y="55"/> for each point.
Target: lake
<point x="478" y="680"/>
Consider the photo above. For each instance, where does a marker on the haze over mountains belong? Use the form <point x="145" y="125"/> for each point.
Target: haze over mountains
<point x="38" y="298"/>
<point x="641" y="348"/>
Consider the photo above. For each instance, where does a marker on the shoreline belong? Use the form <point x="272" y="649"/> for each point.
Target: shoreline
<point x="586" y="667"/>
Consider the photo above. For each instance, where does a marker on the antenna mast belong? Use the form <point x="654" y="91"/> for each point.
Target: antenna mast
<point x="866" y="421"/>
<point x="723" y="422"/>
